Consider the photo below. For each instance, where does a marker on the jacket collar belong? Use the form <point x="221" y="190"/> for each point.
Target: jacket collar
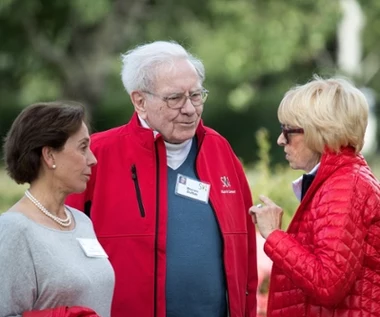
<point x="147" y="135"/>
<point x="330" y="162"/>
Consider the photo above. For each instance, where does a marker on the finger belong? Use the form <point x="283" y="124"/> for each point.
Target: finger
<point x="255" y="208"/>
<point x="252" y="214"/>
<point x="266" y="200"/>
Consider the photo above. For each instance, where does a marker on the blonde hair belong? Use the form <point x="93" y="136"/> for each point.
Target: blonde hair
<point x="332" y="112"/>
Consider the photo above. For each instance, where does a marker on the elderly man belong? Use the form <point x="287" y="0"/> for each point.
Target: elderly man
<point x="169" y="199"/>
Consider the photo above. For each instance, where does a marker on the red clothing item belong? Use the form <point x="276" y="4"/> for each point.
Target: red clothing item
<point x="62" y="311"/>
<point x="128" y="197"/>
<point x="328" y="262"/>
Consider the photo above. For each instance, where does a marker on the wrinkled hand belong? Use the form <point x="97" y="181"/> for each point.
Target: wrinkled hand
<point x="268" y="217"/>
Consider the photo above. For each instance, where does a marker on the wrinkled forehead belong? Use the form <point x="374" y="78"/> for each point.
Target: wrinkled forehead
<point x="178" y="74"/>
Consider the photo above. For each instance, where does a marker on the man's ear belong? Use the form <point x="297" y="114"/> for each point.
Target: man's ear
<point x="139" y="103"/>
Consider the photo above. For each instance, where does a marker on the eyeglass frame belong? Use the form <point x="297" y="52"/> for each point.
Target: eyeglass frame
<point x="202" y="91"/>
<point x="286" y="131"/>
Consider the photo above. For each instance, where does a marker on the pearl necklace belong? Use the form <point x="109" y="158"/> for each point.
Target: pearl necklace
<point x="63" y="222"/>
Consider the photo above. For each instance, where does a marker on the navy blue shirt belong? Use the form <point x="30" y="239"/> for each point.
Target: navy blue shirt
<point x="195" y="280"/>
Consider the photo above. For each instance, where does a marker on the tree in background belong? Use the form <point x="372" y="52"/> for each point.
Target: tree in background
<point x="351" y="63"/>
<point x="65" y="49"/>
<point x="253" y="52"/>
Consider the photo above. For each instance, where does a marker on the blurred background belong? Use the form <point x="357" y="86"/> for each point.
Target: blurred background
<point x="253" y="51"/>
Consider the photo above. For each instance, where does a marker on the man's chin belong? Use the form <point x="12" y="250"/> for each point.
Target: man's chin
<point x="181" y="139"/>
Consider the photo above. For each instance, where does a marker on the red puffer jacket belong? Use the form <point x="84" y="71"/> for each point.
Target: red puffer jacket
<point x="328" y="262"/>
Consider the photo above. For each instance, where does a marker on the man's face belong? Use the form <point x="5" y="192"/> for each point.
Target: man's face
<point x="175" y="125"/>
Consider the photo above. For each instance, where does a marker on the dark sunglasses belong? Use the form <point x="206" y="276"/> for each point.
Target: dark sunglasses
<point x="286" y="131"/>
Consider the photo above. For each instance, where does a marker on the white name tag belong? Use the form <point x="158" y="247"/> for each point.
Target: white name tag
<point x="192" y="188"/>
<point x="92" y="248"/>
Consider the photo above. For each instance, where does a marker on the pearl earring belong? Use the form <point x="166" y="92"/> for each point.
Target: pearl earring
<point x="54" y="166"/>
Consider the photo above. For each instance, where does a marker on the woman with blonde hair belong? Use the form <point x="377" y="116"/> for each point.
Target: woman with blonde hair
<point x="327" y="262"/>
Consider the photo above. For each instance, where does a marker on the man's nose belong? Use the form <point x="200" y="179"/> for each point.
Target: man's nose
<point x="188" y="107"/>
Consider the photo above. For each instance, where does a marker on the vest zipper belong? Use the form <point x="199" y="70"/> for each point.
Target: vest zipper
<point x="138" y="191"/>
<point x="220" y="231"/>
<point x="157" y="228"/>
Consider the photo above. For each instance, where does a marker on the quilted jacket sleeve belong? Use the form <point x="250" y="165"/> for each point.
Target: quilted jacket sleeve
<point x="326" y="267"/>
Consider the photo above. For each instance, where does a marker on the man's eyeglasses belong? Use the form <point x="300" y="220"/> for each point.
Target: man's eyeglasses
<point x="286" y="131"/>
<point x="177" y="101"/>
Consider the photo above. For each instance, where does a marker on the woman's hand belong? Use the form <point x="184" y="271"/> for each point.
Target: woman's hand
<point x="267" y="217"/>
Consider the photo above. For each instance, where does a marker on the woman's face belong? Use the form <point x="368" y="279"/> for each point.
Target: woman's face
<point x="299" y="156"/>
<point x="74" y="162"/>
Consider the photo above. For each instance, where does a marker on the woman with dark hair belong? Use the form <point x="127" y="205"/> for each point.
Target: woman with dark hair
<point x="50" y="259"/>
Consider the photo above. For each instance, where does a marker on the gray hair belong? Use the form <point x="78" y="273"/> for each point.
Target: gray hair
<point x="140" y="64"/>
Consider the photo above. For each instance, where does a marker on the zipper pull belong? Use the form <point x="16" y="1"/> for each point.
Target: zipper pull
<point x="133" y="171"/>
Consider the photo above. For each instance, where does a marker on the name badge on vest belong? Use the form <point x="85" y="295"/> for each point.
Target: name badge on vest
<point x="192" y="188"/>
<point x="92" y="248"/>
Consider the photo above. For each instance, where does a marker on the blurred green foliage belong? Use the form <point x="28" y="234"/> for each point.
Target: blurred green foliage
<point x="10" y="192"/>
<point x="254" y="51"/>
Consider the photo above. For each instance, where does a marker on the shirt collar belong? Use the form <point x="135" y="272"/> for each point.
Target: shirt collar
<point x="145" y="125"/>
<point x="176" y="154"/>
<point x="297" y="184"/>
